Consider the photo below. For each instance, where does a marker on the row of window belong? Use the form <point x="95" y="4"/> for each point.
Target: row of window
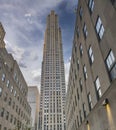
<point x="54" y="127"/>
<point x="16" y="108"/>
<point x="110" y="62"/>
<point x="9" y="117"/>
<point x="99" y="25"/>
<point x="14" y="92"/>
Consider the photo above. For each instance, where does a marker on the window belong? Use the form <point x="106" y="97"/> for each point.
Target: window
<point x="85" y="72"/>
<point x="78" y="94"/>
<point x="113" y="2"/>
<point x="0" y="91"/>
<point x="81" y="12"/>
<point x="7" y="115"/>
<point x="0" y="127"/>
<point x="111" y="65"/>
<point x="5" y="128"/>
<point x="14" y="121"/>
<point x="16" y="108"/>
<point x="15" y="93"/>
<point x="15" y="76"/>
<point x="99" y="28"/>
<point x="10" y="100"/>
<point x="85" y="30"/>
<point x="91" y="5"/>
<point x="77" y="121"/>
<point x="77" y="63"/>
<point x="13" y="106"/>
<point x="75" y="101"/>
<point x="2" y="112"/>
<point x="11" y="89"/>
<point x="77" y="31"/>
<point x="84" y="110"/>
<point x="98" y="88"/>
<point x="5" y="97"/>
<point x="3" y="77"/>
<point x="90" y="101"/>
<point x="80" y="116"/>
<point x="80" y="83"/>
<point x="81" y="49"/>
<point x="91" y="56"/>
<point x="8" y="83"/>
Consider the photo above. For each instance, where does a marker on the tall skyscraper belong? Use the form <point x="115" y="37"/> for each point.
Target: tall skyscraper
<point x="91" y="95"/>
<point x="52" y="101"/>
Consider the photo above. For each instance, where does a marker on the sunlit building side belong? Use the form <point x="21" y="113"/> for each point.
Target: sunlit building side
<point x="52" y="99"/>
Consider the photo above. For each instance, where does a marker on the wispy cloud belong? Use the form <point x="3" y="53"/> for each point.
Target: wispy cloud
<point x="24" y="23"/>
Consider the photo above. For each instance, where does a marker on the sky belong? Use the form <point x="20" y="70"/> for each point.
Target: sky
<point x="24" y="22"/>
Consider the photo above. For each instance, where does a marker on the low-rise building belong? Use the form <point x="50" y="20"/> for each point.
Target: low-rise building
<point x="33" y="99"/>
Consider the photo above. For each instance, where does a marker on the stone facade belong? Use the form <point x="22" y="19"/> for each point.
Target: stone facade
<point x="15" y="111"/>
<point x="92" y="75"/>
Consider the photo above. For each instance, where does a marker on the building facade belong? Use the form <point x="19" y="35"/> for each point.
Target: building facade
<point x="91" y="94"/>
<point x="33" y="99"/>
<point x="52" y="100"/>
<point x="15" y="111"/>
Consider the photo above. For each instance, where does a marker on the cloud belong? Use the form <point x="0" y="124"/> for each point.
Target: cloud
<point x="67" y="67"/>
<point x="28" y="15"/>
<point x="71" y="5"/>
<point x="16" y="51"/>
<point x="24" y="23"/>
<point x="36" y="76"/>
<point x="22" y="65"/>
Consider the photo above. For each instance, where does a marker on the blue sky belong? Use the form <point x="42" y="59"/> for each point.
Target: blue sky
<point x="25" y="21"/>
